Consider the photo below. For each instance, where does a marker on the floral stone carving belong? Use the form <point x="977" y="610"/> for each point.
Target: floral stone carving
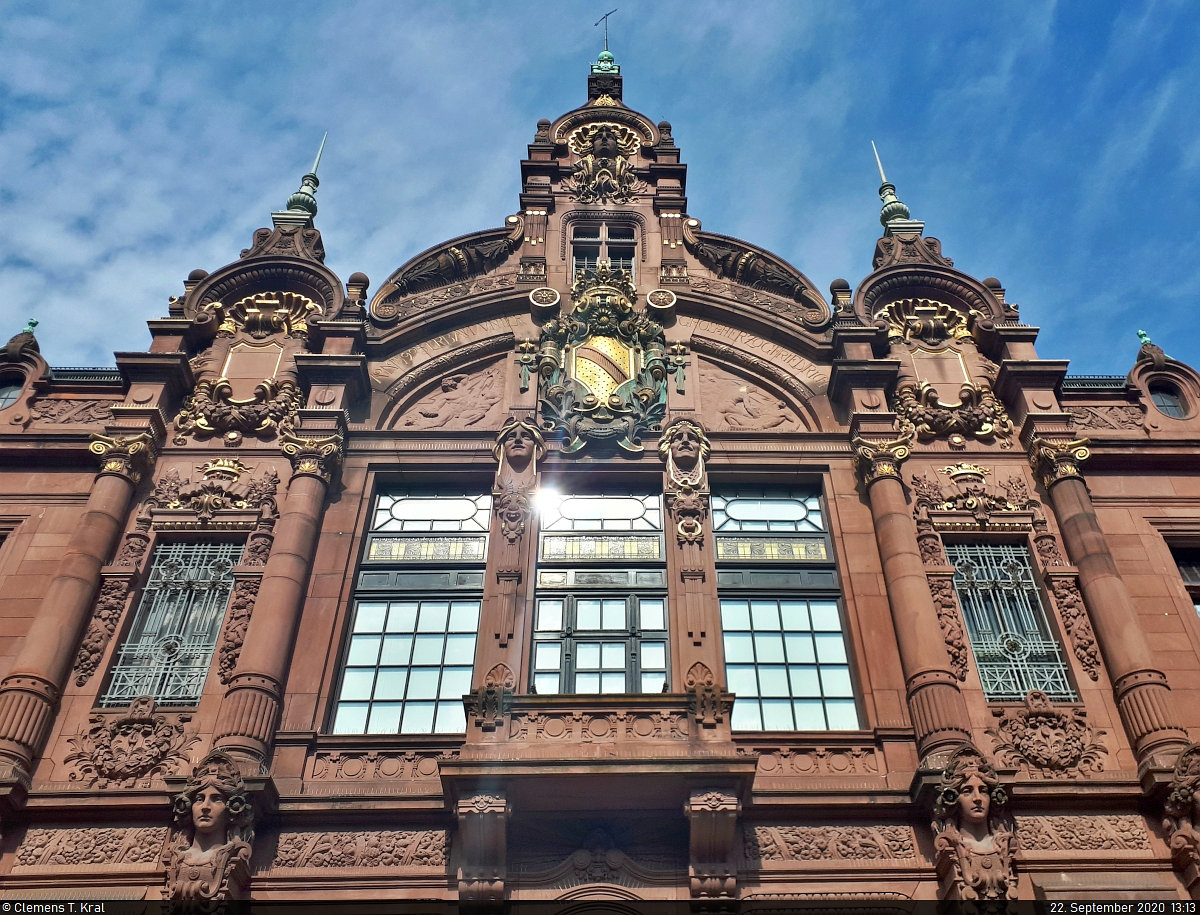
<point x="1181" y="816"/>
<point x="212" y="410"/>
<point x="1051" y="742"/>
<point x="237" y="621"/>
<point x="361" y="849"/>
<point x="829" y="843"/>
<point x="110" y="603"/>
<point x="130" y="750"/>
<point x="603" y="367"/>
<point x="974" y="834"/>
<point x="1069" y="601"/>
<point x="208" y="856"/>
<point x="88" y="846"/>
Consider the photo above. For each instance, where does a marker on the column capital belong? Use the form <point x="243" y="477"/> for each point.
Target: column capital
<point x="876" y="460"/>
<point x="128" y="456"/>
<point x="315" y="457"/>
<point x="1054" y="460"/>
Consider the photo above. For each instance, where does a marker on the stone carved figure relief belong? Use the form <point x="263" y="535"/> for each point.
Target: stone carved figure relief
<point x="131" y="749"/>
<point x="518" y="448"/>
<point x="460" y="401"/>
<point x="208" y="856"/>
<point x="733" y="404"/>
<point x="685" y="447"/>
<point x="1181" y="817"/>
<point x="974" y="834"/>
<point x="1049" y="742"/>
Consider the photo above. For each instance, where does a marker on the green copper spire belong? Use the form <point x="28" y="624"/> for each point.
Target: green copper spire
<point x="893" y="208"/>
<point x="1143" y="337"/>
<point x="303" y="199"/>
<point x="30" y="325"/>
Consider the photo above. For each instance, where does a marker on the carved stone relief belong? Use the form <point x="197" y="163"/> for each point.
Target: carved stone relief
<point x="1109" y="417"/>
<point x="731" y="403"/>
<point x="945" y="602"/>
<point x="411" y="766"/>
<point x="605" y="170"/>
<point x="1181" y="817"/>
<point x="1069" y="601"/>
<point x="587" y="728"/>
<point x="82" y="847"/>
<point x="974" y="833"/>
<point x="130" y="749"/>
<point x="1083" y="833"/>
<point x="237" y="621"/>
<point x="425" y="848"/>
<point x="71" y="412"/>
<point x="829" y="843"/>
<point x="1049" y="742"/>
<point x="389" y="310"/>
<point x="598" y="860"/>
<point x="814" y="762"/>
<point x="460" y="401"/>
<point x="110" y="604"/>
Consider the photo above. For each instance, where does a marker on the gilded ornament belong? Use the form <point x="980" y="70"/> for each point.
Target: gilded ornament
<point x="318" y="457"/>
<point x="876" y="460"/>
<point x="1054" y="459"/>
<point x="128" y="456"/>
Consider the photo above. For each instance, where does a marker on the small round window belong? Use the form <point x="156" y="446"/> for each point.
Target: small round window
<point x="9" y="393"/>
<point x="1168" y="401"/>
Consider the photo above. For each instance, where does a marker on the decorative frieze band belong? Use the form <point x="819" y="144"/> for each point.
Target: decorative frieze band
<point x="427" y="848"/>
<point x="102" y="848"/>
<point x="829" y="843"/>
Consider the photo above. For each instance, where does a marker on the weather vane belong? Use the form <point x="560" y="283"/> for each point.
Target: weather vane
<point x="604" y="19"/>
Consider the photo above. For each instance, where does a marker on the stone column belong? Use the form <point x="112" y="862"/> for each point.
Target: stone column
<point x="30" y="692"/>
<point x="938" y="711"/>
<point x="1141" y="690"/>
<point x="250" y="710"/>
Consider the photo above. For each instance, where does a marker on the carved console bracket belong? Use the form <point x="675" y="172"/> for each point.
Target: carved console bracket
<point x="1181" y="818"/>
<point x="1048" y="741"/>
<point x="482" y="832"/>
<point x="713" y="844"/>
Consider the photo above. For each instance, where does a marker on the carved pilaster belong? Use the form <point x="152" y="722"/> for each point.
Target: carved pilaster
<point x="1181" y="818"/>
<point x="713" y="844"/>
<point x="482" y="833"/>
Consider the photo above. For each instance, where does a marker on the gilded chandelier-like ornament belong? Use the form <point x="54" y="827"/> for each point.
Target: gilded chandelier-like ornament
<point x="603" y="367"/>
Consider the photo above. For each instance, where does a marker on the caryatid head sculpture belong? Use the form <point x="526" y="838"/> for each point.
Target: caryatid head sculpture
<point x="975" y="836"/>
<point x="519" y="445"/>
<point x="685" y="447"/>
<point x="209" y="855"/>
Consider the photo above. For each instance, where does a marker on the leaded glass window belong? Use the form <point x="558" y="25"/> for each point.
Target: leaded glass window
<point x="429" y="527"/>
<point x="9" y="394"/>
<point x="408" y="667"/>
<point x="600" y="528"/>
<point x="170" y="644"/>
<point x="769" y="525"/>
<point x="600" y="644"/>
<point x="786" y="662"/>
<point x="1010" y="636"/>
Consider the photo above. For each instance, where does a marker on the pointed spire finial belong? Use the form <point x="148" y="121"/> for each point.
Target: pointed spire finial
<point x="893" y="209"/>
<point x="1143" y="337"/>
<point x="304" y="200"/>
<point x="30" y="325"/>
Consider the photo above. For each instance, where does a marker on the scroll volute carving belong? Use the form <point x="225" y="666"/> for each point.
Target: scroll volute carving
<point x="974" y="833"/>
<point x="208" y="856"/>
<point x="945" y="384"/>
<point x="518" y="447"/>
<point x="1181" y="818"/>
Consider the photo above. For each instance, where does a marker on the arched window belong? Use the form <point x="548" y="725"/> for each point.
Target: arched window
<point x="1168" y="401"/>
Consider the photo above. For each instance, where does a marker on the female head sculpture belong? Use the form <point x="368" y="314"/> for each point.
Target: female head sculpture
<point x="975" y="836"/>
<point x="209" y="856"/>
<point x="519" y="445"/>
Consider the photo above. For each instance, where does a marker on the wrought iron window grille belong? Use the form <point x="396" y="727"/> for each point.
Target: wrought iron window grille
<point x="1014" y="649"/>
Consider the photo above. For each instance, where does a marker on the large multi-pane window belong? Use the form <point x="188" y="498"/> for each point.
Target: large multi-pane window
<point x="170" y="643"/>
<point x="593" y="242"/>
<point x="785" y="652"/>
<point x="411" y="646"/>
<point x="1014" y="649"/>
<point x="1187" y="560"/>
<point x="600" y="623"/>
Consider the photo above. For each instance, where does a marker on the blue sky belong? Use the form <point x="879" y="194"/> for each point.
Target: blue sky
<point x="1049" y="144"/>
